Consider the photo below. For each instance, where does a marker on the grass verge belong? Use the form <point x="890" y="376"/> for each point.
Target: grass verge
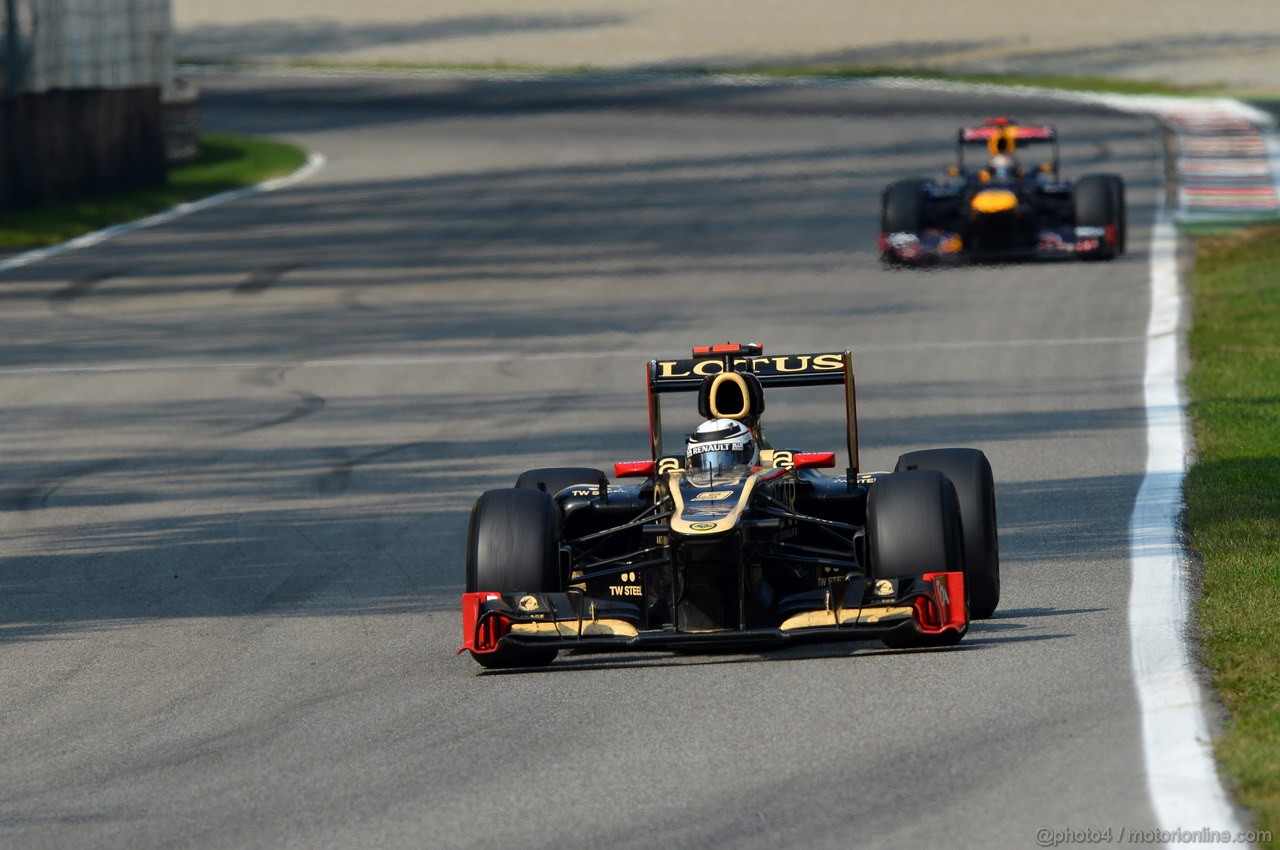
<point x="226" y="162"/>
<point x="1233" y="501"/>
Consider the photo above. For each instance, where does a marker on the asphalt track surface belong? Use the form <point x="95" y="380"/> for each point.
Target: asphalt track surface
<point x="240" y="450"/>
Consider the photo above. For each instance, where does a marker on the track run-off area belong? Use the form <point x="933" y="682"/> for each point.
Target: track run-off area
<point x="242" y="446"/>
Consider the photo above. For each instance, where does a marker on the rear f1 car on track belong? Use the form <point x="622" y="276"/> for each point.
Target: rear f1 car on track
<point x="732" y="543"/>
<point x="1003" y="209"/>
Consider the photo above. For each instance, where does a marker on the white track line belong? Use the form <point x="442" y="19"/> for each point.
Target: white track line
<point x="314" y="162"/>
<point x="1182" y="778"/>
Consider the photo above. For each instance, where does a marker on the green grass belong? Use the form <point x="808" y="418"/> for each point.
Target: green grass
<point x="1233" y="501"/>
<point x="226" y="162"/>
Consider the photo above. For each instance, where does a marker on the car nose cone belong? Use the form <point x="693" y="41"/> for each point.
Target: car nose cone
<point x="994" y="201"/>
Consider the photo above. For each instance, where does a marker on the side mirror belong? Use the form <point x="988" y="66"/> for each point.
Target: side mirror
<point x="814" y="460"/>
<point x="633" y="469"/>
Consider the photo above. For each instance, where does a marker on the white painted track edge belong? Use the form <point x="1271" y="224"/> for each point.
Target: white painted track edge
<point x="1182" y="777"/>
<point x="313" y="164"/>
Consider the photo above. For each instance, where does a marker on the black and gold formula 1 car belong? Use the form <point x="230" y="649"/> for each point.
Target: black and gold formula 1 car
<point x="1005" y="207"/>
<point x="755" y="550"/>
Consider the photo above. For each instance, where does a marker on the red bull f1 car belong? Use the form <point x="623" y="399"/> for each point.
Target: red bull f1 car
<point x="1009" y="206"/>
<point x="732" y="543"/>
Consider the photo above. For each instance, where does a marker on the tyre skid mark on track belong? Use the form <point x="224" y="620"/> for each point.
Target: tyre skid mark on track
<point x="293" y="592"/>
<point x="338" y="479"/>
<point x="308" y="403"/>
<point x="35" y="493"/>
<point x="81" y="286"/>
<point x="263" y="279"/>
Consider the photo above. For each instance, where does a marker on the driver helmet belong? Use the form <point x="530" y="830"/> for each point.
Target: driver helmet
<point x="719" y="444"/>
<point x="1003" y="166"/>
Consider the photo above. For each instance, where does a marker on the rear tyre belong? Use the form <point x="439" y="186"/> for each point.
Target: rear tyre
<point x="1094" y="199"/>
<point x="553" y="479"/>
<point x="970" y="472"/>
<point x="511" y="546"/>
<point x="1118" y="207"/>
<point x="913" y="526"/>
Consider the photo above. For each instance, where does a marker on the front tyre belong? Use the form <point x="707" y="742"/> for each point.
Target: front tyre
<point x="902" y="207"/>
<point x="901" y="211"/>
<point x="913" y="526"/>
<point x="512" y="546"/>
<point x="970" y="472"/>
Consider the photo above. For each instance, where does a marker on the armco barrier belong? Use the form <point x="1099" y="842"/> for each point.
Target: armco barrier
<point x="68" y="145"/>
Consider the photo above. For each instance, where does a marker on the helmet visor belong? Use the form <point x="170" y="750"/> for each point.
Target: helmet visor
<point x="719" y="455"/>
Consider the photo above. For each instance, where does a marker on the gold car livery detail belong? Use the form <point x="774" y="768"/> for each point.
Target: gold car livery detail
<point x="713" y="509"/>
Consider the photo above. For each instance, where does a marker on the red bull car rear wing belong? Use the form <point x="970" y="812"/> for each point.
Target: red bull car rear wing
<point x="1004" y="135"/>
<point x="1019" y="132"/>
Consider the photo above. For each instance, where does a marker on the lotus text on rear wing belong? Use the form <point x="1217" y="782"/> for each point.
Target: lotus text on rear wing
<point x="786" y="364"/>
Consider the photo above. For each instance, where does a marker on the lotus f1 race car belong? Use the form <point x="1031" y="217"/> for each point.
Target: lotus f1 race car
<point x="732" y="543"/>
<point x="1003" y="209"/>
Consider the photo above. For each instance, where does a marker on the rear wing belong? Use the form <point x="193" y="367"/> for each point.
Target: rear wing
<point x="827" y="368"/>
<point x="1002" y="135"/>
<point x="1019" y="132"/>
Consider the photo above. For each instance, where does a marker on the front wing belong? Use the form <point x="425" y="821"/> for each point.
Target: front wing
<point x="930" y="605"/>
<point x="935" y="245"/>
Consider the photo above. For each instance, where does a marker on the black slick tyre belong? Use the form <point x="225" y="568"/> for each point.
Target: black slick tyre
<point x="902" y="207"/>
<point x="913" y="526"/>
<point x="901" y="210"/>
<point x="553" y="479"/>
<point x="511" y="547"/>
<point x="970" y="472"/>
<point x="1094" y="200"/>
<point x="1119" y="209"/>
